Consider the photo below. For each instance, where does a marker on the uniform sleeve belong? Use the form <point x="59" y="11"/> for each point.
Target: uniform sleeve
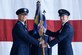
<point x="60" y="36"/>
<point x="49" y="33"/>
<point x="25" y="36"/>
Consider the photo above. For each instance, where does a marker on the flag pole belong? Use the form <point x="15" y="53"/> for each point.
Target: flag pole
<point x="43" y="49"/>
<point x="39" y="4"/>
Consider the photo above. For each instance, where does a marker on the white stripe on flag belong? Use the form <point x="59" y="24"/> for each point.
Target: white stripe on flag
<point x="6" y="46"/>
<point x="8" y="8"/>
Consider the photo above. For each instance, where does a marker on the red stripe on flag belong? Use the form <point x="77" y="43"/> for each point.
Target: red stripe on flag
<point x="53" y="25"/>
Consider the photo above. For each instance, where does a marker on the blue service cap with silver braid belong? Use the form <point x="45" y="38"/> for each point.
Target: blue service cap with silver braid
<point x="22" y="10"/>
<point x="63" y="12"/>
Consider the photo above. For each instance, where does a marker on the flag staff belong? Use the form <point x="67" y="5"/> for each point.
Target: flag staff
<point x="39" y="6"/>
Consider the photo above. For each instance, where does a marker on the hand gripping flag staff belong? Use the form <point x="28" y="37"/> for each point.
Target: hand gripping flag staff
<point x="39" y="19"/>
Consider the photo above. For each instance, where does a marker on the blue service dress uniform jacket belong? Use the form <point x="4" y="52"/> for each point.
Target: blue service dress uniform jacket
<point x="63" y="38"/>
<point x="35" y="50"/>
<point x="21" y="40"/>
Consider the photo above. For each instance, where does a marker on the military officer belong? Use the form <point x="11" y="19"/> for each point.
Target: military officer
<point x="63" y="36"/>
<point x="21" y="37"/>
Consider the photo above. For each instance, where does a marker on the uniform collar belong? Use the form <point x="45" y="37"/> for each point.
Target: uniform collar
<point x="22" y="22"/>
<point x="64" y="23"/>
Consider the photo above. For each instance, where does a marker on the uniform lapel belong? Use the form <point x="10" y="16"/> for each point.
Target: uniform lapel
<point x="24" y="26"/>
<point x="62" y="27"/>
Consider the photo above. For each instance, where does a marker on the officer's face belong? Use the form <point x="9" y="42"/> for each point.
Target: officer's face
<point x="64" y="18"/>
<point x="22" y="17"/>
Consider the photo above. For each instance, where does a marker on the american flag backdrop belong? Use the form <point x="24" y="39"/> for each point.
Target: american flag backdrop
<point x="8" y="18"/>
